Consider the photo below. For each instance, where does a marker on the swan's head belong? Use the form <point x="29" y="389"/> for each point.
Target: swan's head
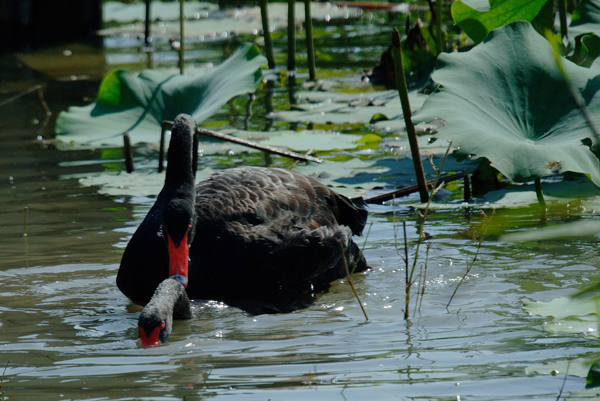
<point x="154" y="329"/>
<point x="156" y="320"/>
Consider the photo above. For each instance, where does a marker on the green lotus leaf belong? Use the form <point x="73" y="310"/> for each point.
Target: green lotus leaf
<point x="505" y="100"/>
<point x="477" y="24"/>
<point x="584" y="33"/>
<point x="138" y="103"/>
<point x="587" y="49"/>
<point x="567" y="315"/>
<point x="586" y="18"/>
<point x="580" y="229"/>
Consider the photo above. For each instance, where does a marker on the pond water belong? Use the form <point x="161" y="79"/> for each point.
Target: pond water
<point x="67" y="333"/>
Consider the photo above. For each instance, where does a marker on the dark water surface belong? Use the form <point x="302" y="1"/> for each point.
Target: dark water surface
<point x="67" y="333"/>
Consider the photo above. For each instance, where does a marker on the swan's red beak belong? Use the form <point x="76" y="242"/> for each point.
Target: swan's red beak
<point x="152" y="339"/>
<point x="178" y="259"/>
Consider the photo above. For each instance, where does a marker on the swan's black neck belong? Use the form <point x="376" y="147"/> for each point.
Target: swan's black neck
<point x="178" y="195"/>
<point x="180" y="158"/>
<point x="156" y="320"/>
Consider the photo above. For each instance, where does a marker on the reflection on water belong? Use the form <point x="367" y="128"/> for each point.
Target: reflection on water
<point x="66" y="332"/>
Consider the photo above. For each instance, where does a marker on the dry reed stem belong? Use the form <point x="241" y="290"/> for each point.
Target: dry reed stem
<point x="2" y="377"/>
<point x="409" y="278"/>
<point x="350" y="279"/>
<point x="486" y="223"/>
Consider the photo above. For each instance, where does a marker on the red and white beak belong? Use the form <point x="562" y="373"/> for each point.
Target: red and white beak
<point x="178" y="259"/>
<point x="152" y="339"/>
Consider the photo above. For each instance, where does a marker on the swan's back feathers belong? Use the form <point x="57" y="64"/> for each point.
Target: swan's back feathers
<point x="279" y="199"/>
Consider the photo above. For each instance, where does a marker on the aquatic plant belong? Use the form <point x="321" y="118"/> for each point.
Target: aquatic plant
<point x="499" y="101"/>
<point x="139" y="103"/>
<point x="478" y="23"/>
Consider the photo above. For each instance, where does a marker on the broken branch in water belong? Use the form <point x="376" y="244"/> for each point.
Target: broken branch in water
<point x="20" y="95"/>
<point x="414" y="188"/>
<point x="217" y="135"/>
<point x="255" y="145"/>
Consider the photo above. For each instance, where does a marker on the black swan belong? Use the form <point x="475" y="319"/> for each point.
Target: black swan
<point x="261" y="239"/>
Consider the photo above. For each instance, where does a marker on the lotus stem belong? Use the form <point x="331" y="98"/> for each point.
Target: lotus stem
<point x="540" y="197"/>
<point x="432" y="10"/>
<point x="147" y="25"/>
<point x="310" y="44"/>
<point x="438" y="23"/>
<point x="467" y="188"/>
<point x="264" y="14"/>
<point x="410" y="128"/>
<point x="181" y="37"/>
<point x="195" y="138"/>
<point x="292" y="92"/>
<point x="268" y="105"/>
<point x="562" y="12"/>
<point x="128" y="152"/>
<point x="291" y="59"/>
<point x="147" y="46"/>
<point x="407" y="283"/>
<point x="25" y="212"/>
<point x="161" y="149"/>
<point x="251" y="99"/>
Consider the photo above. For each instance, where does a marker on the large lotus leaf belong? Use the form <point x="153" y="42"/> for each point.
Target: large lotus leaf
<point x="580" y="228"/>
<point x="586" y="18"/>
<point x="506" y="100"/>
<point x="138" y="103"/>
<point x="477" y="24"/>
